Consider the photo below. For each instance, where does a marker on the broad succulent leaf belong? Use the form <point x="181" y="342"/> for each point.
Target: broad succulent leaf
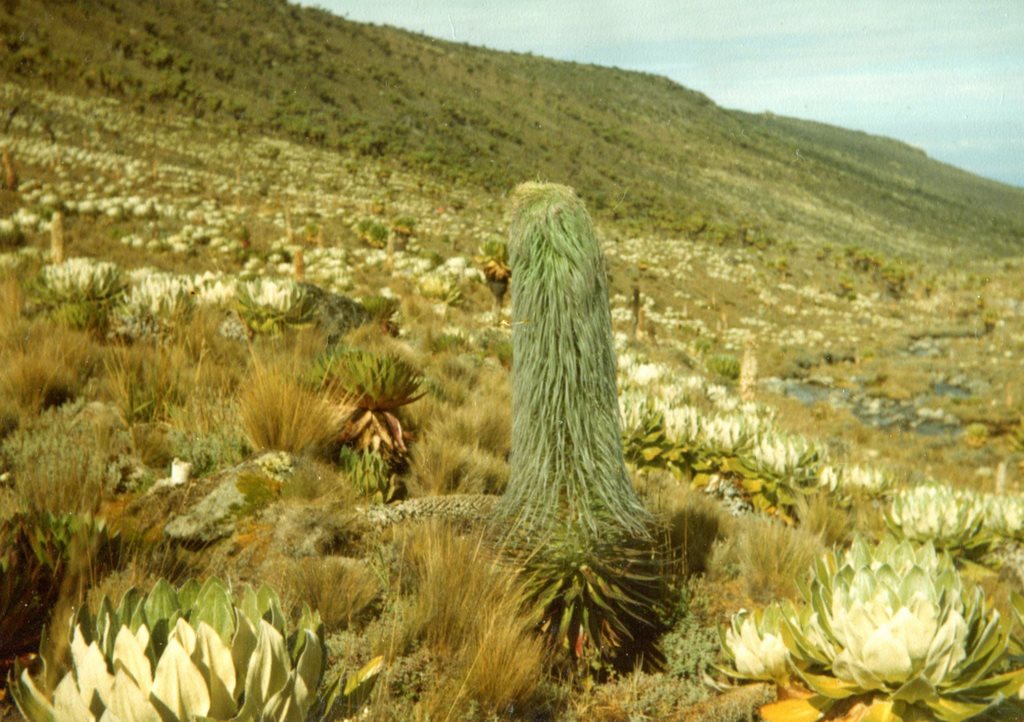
<point x="178" y="684"/>
<point x="193" y="672"/>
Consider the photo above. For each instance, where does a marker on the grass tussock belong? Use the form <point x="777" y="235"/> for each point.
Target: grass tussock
<point x="467" y="610"/>
<point x="278" y="413"/>
<point x="821" y="516"/>
<point x="464" y="451"/>
<point x="342" y="590"/>
<point x="43" y="366"/>
<point x="12" y="304"/>
<point x="145" y="381"/>
<point x="768" y="557"/>
<point x="693" y="523"/>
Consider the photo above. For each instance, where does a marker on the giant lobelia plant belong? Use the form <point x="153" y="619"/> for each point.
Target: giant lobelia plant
<point x="567" y="463"/>
<point x="570" y="513"/>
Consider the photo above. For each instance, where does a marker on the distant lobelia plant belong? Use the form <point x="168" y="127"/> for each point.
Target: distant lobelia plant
<point x="567" y="464"/>
<point x="570" y="515"/>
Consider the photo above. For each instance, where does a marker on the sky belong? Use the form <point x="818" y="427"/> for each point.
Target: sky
<point x="946" y="76"/>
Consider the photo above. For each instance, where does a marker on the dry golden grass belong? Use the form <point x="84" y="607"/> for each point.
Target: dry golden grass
<point x="217" y="364"/>
<point x="820" y="515"/>
<point x="342" y="590"/>
<point x="693" y="523"/>
<point x="463" y="448"/>
<point x="440" y="466"/>
<point x="12" y="303"/>
<point x="469" y="611"/>
<point x="145" y="381"/>
<point x="278" y="413"/>
<point x="294" y="348"/>
<point x="44" y="365"/>
<point x="767" y="556"/>
<point x="313" y="480"/>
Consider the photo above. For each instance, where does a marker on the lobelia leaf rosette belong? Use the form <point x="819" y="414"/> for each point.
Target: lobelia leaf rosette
<point x="81" y="291"/>
<point x="755" y="647"/>
<point x="269" y="305"/>
<point x="890" y="633"/>
<point x="198" y="653"/>
<point x="951" y="519"/>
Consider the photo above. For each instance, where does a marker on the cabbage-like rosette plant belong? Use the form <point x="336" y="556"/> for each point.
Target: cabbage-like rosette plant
<point x="81" y="292"/>
<point x="154" y="303"/>
<point x="196" y="653"/>
<point x="657" y="437"/>
<point x="161" y="295"/>
<point x="781" y="468"/>
<point x="1004" y="515"/>
<point x="951" y="519"/>
<point x="81" y="279"/>
<point x="726" y="436"/>
<point x="855" y="482"/>
<point x="755" y="646"/>
<point x="894" y="626"/>
<point x="269" y="305"/>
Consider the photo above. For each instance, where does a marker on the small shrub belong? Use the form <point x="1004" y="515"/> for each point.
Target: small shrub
<point x="62" y="462"/>
<point x="372" y="233"/>
<point x="725" y="366"/>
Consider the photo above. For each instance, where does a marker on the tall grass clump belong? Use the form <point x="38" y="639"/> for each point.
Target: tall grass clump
<point x="281" y="414"/>
<point x="471" y="612"/>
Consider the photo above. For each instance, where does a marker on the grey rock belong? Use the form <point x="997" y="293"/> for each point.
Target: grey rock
<point x="211" y="519"/>
<point x="214" y="516"/>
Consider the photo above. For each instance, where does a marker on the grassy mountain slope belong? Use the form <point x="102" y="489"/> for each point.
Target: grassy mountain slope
<point x="644" y="151"/>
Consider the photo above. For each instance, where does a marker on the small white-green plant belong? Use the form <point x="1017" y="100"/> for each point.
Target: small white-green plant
<point x="1004" y="515"/>
<point x="754" y="645"/>
<point x="154" y="304"/>
<point x="853" y="482"/>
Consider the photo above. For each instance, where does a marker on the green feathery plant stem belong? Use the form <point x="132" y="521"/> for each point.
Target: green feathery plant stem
<point x="567" y="465"/>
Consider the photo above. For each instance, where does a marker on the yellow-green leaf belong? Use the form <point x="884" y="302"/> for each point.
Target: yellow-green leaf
<point x="791" y="710"/>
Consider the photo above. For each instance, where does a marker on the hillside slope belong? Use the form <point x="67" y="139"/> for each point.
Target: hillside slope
<point x="646" y="152"/>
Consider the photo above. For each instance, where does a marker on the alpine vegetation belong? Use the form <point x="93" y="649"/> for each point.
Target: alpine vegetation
<point x="567" y="461"/>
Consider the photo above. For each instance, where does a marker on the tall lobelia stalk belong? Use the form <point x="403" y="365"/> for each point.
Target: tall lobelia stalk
<point x="567" y="467"/>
